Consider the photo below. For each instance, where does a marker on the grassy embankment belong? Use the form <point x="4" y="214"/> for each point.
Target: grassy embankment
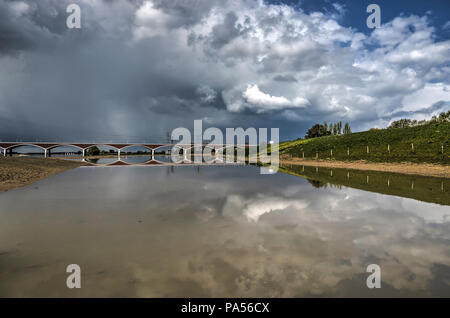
<point x="18" y="172"/>
<point x="428" y="143"/>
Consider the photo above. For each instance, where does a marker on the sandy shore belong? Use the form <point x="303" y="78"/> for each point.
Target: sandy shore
<point x="423" y="169"/>
<point x="16" y="172"/>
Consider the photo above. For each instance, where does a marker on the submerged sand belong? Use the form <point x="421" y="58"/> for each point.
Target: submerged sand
<point x="422" y="169"/>
<point x="16" y="172"/>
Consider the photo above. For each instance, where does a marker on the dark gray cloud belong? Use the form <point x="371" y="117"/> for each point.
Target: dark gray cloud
<point x="25" y="26"/>
<point x="137" y="69"/>
<point x="285" y="78"/>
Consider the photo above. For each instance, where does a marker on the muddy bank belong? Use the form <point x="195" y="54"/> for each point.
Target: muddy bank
<point x="422" y="169"/>
<point x="18" y="172"/>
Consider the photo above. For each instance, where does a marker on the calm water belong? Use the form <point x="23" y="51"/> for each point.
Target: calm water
<point x="220" y="231"/>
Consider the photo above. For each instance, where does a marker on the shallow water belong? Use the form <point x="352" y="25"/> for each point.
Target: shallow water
<point x="219" y="231"/>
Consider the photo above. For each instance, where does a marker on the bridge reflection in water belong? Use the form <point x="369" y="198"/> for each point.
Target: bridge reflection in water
<point x="108" y="162"/>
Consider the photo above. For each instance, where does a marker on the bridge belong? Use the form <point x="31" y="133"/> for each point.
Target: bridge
<point x="155" y="162"/>
<point x="7" y="147"/>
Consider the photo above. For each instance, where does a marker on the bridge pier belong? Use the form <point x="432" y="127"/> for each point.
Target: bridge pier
<point x="118" y="153"/>
<point x="4" y="152"/>
<point x="153" y="154"/>
<point x="83" y="152"/>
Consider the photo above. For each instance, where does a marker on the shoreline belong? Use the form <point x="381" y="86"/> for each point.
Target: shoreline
<point x="421" y="169"/>
<point x="18" y="172"/>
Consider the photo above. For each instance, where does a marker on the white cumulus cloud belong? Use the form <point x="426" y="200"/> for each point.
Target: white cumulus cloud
<point x="263" y="101"/>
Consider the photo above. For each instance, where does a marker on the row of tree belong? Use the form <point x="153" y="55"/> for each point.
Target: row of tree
<point x="336" y="129"/>
<point x="405" y="122"/>
<point x="326" y="129"/>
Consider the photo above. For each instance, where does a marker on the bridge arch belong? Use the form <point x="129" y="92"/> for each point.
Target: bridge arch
<point x="104" y="145"/>
<point x="65" y="145"/>
<point x="164" y="146"/>
<point x="12" y="147"/>
<point x="26" y="145"/>
<point x="138" y="145"/>
<point x="175" y="146"/>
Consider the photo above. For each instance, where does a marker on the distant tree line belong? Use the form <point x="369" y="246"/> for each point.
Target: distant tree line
<point x="95" y="151"/>
<point x="325" y="129"/>
<point x="404" y="122"/>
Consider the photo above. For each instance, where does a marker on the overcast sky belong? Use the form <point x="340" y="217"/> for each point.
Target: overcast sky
<point x="138" y="69"/>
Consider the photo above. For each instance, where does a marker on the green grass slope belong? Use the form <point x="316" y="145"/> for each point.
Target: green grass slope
<point x="427" y="140"/>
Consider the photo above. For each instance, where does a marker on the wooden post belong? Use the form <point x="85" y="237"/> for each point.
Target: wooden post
<point x="367" y="179"/>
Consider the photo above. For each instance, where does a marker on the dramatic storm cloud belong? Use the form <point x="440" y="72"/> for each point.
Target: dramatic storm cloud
<point x="137" y="69"/>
